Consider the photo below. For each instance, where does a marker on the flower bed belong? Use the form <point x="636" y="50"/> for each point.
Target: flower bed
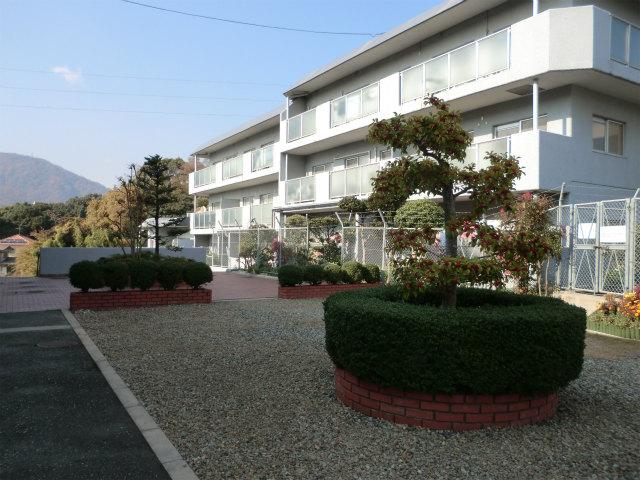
<point x="492" y="344"/>
<point x="319" y="291"/>
<point x="107" y="300"/>
<point x="618" y="316"/>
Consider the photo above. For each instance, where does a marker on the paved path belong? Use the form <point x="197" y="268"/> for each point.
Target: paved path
<point x="233" y="286"/>
<point x="59" y="419"/>
<point x="30" y="294"/>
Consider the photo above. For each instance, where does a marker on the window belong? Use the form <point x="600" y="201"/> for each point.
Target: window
<point x="262" y="158"/>
<point x="625" y="42"/>
<point x="389" y="154"/>
<point x="320" y="168"/>
<point x="524" y="125"/>
<point x="356" y="160"/>
<point x="355" y="105"/>
<point x="232" y="167"/>
<point x="246" y="201"/>
<point x="266" y="198"/>
<point x="607" y="136"/>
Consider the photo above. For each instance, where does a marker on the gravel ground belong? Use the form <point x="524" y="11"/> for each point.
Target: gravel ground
<point x="244" y="389"/>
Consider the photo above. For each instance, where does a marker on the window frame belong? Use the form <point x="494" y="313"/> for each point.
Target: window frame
<point x="630" y="27"/>
<point x="607" y="122"/>
<point x="519" y="123"/>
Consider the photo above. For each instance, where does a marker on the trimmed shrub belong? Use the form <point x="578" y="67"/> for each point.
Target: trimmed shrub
<point x="170" y="274"/>
<point x="313" y="274"/>
<point x="196" y="274"/>
<point x="115" y="274"/>
<point x="85" y="275"/>
<point x="420" y="214"/>
<point x="332" y="273"/>
<point x="290" y="275"/>
<point x="492" y="343"/>
<point x="143" y="273"/>
<point x="371" y="273"/>
<point x="353" y="272"/>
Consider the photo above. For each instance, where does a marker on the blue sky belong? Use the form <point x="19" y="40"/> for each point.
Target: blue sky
<point x="81" y="38"/>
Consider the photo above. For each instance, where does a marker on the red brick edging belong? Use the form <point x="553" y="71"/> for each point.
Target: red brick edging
<point x="443" y="412"/>
<point x="136" y="298"/>
<point x="319" y="291"/>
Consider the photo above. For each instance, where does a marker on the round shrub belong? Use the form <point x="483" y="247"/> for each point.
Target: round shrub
<point x="313" y="274"/>
<point x="332" y="273"/>
<point x="144" y="273"/>
<point x="116" y="274"/>
<point x="196" y="274"/>
<point x="420" y="214"/>
<point x="85" y="275"/>
<point x="492" y="343"/>
<point x="353" y="272"/>
<point x="170" y="274"/>
<point x="371" y="273"/>
<point x="290" y="275"/>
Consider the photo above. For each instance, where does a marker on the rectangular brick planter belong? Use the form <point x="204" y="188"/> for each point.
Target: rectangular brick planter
<point x="319" y="291"/>
<point x="107" y="300"/>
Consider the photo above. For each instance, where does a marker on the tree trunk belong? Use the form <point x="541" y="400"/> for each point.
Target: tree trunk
<point x="449" y="294"/>
<point x="156" y="229"/>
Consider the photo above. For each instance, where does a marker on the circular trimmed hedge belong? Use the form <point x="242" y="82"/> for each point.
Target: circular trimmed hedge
<point x="492" y="343"/>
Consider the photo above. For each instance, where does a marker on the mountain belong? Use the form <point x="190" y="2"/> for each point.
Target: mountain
<point x="31" y="179"/>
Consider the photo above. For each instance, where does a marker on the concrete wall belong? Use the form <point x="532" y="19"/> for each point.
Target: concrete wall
<point x="57" y="261"/>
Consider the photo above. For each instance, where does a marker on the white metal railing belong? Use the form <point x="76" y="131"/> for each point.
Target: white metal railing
<point x="232" y="167"/>
<point x="302" y="125"/>
<point x="204" y="219"/>
<point x="354" y="105"/>
<point x="262" y="214"/>
<point x="477" y="152"/>
<point x="300" y="190"/>
<point x="352" y="181"/>
<point x="625" y="42"/>
<point x="205" y="176"/>
<point x="477" y="59"/>
<point x="262" y="158"/>
<point x="231" y="217"/>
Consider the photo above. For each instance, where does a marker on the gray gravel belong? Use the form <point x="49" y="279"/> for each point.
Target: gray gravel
<point x="245" y="390"/>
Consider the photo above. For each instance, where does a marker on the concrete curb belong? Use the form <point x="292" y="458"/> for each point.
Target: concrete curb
<point x="167" y="454"/>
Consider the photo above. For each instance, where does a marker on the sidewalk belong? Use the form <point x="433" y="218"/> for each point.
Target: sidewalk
<point x="32" y="294"/>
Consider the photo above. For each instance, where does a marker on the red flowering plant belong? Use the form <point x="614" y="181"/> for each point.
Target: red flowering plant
<point x="438" y="168"/>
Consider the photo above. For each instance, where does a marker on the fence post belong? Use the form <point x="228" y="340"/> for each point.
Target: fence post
<point x="384" y="239"/>
<point x="341" y="237"/>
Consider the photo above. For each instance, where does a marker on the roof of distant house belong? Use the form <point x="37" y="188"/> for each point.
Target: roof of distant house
<point x="16" y="241"/>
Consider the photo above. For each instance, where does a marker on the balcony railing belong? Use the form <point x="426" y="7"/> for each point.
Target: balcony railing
<point x="204" y="220"/>
<point x="469" y="62"/>
<point x="301" y="125"/>
<point x="352" y="181"/>
<point x="477" y="152"/>
<point x="355" y="105"/>
<point x="204" y="177"/>
<point x="262" y="214"/>
<point x="300" y="190"/>
<point x="262" y="158"/>
<point x="231" y="217"/>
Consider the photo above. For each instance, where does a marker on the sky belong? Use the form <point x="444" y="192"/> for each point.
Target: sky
<point x="70" y="56"/>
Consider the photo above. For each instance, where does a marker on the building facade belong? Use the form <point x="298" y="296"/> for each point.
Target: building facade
<point x="555" y="83"/>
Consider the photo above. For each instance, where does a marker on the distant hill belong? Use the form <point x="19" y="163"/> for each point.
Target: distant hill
<point x="31" y="179"/>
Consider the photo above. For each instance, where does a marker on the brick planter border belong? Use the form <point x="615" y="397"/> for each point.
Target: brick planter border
<point x="443" y="412"/>
<point x="319" y="291"/>
<point x="107" y="300"/>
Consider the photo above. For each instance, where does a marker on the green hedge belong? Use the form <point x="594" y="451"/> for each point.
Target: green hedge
<point x="85" y="275"/>
<point x="493" y="343"/>
<point x="196" y="274"/>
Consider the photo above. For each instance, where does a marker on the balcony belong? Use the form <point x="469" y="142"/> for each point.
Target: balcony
<point x="206" y="176"/>
<point x="301" y="125"/>
<point x="203" y="220"/>
<point x="477" y="152"/>
<point x="352" y="181"/>
<point x="355" y="105"/>
<point x="231" y="217"/>
<point x="299" y="190"/>
<point x="262" y="214"/>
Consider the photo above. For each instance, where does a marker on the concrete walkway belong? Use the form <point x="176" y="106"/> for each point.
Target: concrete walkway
<point x="234" y="286"/>
<point x="59" y="419"/>
<point x="32" y="294"/>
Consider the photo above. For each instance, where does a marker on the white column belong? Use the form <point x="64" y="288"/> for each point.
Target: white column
<point x="535" y="7"/>
<point x="535" y="113"/>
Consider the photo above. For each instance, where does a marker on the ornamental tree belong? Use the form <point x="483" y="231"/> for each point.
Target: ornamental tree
<point x="437" y="143"/>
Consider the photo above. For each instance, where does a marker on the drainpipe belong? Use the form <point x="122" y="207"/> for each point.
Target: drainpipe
<point x="535" y="7"/>
<point x="535" y="113"/>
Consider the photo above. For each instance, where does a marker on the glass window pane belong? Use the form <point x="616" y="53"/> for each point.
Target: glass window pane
<point x="267" y="156"/>
<point x="614" y="134"/>
<point x="542" y="123"/>
<point x="353" y="181"/>
<point x="256" y="162"/>
<point x="370" y="99"/>
<point x="619" y="38"/>
<point x="506" y="130"/>
<point x="353" y="106"/>
<point x="436" y="75"/>
<point x="597" y="134"/>
<point x="411" y="86"/>
<point x="337" y="184"/>
<point x="309" y="122"/>
<point x="292" y="193"/>
<point x="493" y="53"/>
<point x="369" y="172"/>
<point x="295" y="125"/>
<point x="307" y="189"/>
<point x="634" y="47"/>
<point x="350" y="162"/>
<point x="338" y="111"/>
<point x="463" y="64"/>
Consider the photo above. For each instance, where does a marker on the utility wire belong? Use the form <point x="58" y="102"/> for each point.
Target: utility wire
<point x="128" y="94"/>
<point x="79" y="109"/>
<point x="139" y="77"/>
<point x="250" y="24"/>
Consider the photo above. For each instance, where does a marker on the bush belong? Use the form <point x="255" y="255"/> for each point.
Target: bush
<point x="493" y="343"/>
<point x="290" y="275"/>
<point x="295" y="221"/>
<point x="170" y="274"/>
<point x="85" y="275"/>
<point x="143" y="273"/>
<point x="196" y="274"/>
<point x="313" y="274"/>
<point x="371" y="273"/>
<point x="332" y="273"/>
<point x="353" y="272"/>
<point x="352" y="204"/>
<point x="115" y="274"/>
<point x="420" y="214"/>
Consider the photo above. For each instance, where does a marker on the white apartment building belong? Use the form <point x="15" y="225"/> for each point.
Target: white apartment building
<point x="553" y="82"/>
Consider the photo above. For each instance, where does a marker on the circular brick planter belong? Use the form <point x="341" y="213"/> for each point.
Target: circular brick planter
<point x="443" y="412"/>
